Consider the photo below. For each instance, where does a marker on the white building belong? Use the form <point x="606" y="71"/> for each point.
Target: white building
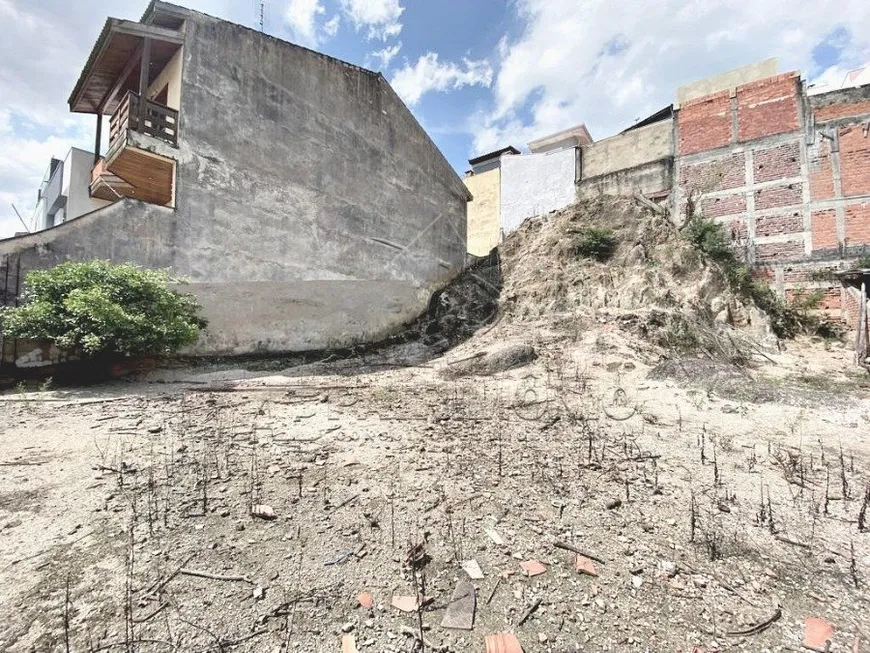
<point x="64" y="192"/>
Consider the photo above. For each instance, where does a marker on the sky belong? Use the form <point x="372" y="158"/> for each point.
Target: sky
<point x="478" y="74"/>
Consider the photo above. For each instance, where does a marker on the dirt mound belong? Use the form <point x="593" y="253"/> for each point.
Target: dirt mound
<point x="649" y="280"/>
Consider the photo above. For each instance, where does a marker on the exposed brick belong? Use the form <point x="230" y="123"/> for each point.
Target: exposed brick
<point x="858" y="224"/>
<point x="768" y="106"/>
<point x="788" y="251"/>
<point x="777" y="225"/>
<point x="777" y="162"/>
<point x="705" y="123"/>
<point x="830" y="299"/>
<point x="715" y="207"/>
<point x="808" y="273"/>
<point x="842" y="110"/>
<point x="768" y="198"/>
<point x="738" y="231"/>
<point x="821" y="173"/>
<point x="721" y="174"/>
<point x="854" y="160"/>
<point x="851" y="303"/>
<point x="764" y="272"/>
<point x="824" y="229"/>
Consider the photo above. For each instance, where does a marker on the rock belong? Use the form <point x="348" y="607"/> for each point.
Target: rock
<point x="636" y="581"/>
<point x="259" y="593"/>
<point x="542" y="638"/>
<point x="472" y="569"/>
<point x="263" y="512"/>
<point x="668" y="567"/>
<point x="613" y="504"/>
<point x="349" y="626"/>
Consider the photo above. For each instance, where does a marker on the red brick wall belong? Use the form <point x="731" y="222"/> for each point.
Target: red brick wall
<point x="716" y="207"/>
<point x="858" y="224"/>
<point x="830" y="299"/>
<point x="834" y="111"/>
<point x="768" y="107"/>
<point x="824" y="229"/>
<point x="777" y="225"/>
<point x="854" y="160"/>
<point x="777" y="163"/>
<point x="771" y="252"/>
<point x="821" y="173"/>
<point x="769" y="198"/>
<point x="808" y="273"/>
<point x="721" y="174"/>
<point x="705" y="123"/>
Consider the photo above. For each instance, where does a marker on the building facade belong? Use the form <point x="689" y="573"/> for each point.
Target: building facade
<point x="296" y="192"/>
<point x="64" y="192"/>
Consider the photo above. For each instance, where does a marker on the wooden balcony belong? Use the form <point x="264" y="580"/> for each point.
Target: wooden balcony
<point x="129" y="170"/>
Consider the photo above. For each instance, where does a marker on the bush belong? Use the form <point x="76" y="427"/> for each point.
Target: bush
<point x="96" y="307"/>
<point x="786" y="319"/>
<point x="596" y="243"/>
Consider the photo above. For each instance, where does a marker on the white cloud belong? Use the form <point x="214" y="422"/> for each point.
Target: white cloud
<point x="301" y="16"/>
<point x="387" y="54"/>
<point x="379" y="17"/>
<point x="607" y="63"/>
<point x="330" y="27"/>
<point x="429" y="74"/>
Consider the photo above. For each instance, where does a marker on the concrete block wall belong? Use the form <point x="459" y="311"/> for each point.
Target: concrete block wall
<point x="788" y="174"/>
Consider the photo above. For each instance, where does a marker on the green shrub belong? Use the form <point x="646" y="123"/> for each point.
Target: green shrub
<point x="863" y="263"/>
<point x="595" y="243"/>
<point x="787" y="319"/>
<point x="97" y="307"/>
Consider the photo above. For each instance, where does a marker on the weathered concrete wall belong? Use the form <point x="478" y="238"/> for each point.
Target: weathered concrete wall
<point x="295" y="166"/>
<point x="728" y="80"/>
<point x="653" y="179"/>
<point x="535" y="184"/>
<point x="484" y="211"/>
<point x="628" y="150"/>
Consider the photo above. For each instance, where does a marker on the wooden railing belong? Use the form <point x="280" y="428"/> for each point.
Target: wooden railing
<point x="146" y="117"/>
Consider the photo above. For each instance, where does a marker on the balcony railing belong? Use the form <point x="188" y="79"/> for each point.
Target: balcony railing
<point x="146" y="117"/>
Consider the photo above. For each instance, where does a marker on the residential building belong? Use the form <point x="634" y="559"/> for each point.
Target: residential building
<point x="484" y="212"/>
<point x="296" y="192"/>
<point x="63" y="194"/>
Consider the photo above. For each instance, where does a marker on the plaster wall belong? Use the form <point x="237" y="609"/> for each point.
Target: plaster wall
<point x="484" y="211"/>
<point x="629" y="149"/>
<point x="170" y="77"/>
<point x="535" y="184"/>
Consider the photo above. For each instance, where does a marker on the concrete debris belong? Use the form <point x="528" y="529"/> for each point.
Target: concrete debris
<point x="473" y="570"/>
<point x="366" y="600"/>
<point x="348" y="644"/>
<point x="503" y="643"/>
<point x="405" y="603"/>
<point x="263" y="512"/>
<point x="584" y="565"/>
<point x="533" y="568"/>
<point x="460" y="610"/>
<point x="494" y="536"/>
<point x="817" y="633"/>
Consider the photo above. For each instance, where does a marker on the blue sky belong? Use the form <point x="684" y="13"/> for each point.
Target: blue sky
<point x="478" y="74"/>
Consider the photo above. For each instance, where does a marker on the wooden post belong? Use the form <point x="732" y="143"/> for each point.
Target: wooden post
<point x="144" y="74"/>
<point x="99" y="138"/>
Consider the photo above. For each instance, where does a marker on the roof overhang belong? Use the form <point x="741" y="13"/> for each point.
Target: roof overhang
<point x="113" y="65"/>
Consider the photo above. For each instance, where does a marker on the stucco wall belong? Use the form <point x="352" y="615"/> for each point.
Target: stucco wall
<point x="76" y="184"/>
<point x="484" y="211"/>
<point x="535" y="184"/>
<point x="627" y="150"/>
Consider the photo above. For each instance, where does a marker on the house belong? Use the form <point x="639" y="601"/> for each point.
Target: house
<point x="484" y="212"/>
<point x="63" y="194"/>
<point x="296" y="192"/>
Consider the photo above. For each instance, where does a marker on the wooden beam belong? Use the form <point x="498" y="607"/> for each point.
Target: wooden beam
<point x="144" y="76"/>
<point x="99" y="137"/>
<point x="148" y="31"/>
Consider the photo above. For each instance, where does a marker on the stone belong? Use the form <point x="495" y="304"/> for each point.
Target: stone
<point x="460" y="610"/>
<point x="263" y="512"/>
<point x="259" y="593"/>
<point x="473" y="570"/>
<point x="613" y="504"/>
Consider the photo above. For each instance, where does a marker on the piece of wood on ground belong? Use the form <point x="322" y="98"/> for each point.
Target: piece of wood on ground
<point x="348" y="644"/>
<point x="503" y="643"/>
<point x="366" y="600"/>
<point x="817" y="632"/>
<point x="472" y="569"/>
<point x="584" y="565"/>
<point x="460" y="610"/>
<point x="533" y="568"/>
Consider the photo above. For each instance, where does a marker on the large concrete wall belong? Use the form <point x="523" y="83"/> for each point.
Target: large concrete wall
<point x="312" y="210"/>
<point x="535" y="184"/>
<point x="484" y="211"/>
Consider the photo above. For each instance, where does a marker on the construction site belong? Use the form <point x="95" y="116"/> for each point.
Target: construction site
<point x="580" y="460"/>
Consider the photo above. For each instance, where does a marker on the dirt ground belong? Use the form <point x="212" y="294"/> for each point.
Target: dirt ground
<point x="721" y="506"/>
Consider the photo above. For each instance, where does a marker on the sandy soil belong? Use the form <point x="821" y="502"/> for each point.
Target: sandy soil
<point x="723" y="512"/>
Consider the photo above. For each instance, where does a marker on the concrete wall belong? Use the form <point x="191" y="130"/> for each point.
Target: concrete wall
<point x="654" y="180"/>
<point x="76" y="184"/>
<point x="484" y="211"/>
<point x="535" y="184"/>
<point x="728" y="80"/>
<point x="628" y="150"/>
<point x="312" y="210"/>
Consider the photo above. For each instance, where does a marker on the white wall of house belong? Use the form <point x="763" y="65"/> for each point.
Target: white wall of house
<point x="76" y="185"/>
<point x="535" y="184"/>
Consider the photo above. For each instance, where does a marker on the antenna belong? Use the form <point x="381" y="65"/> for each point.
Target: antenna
<point x="20" y="218"/>
<point x="262" y="15"/>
